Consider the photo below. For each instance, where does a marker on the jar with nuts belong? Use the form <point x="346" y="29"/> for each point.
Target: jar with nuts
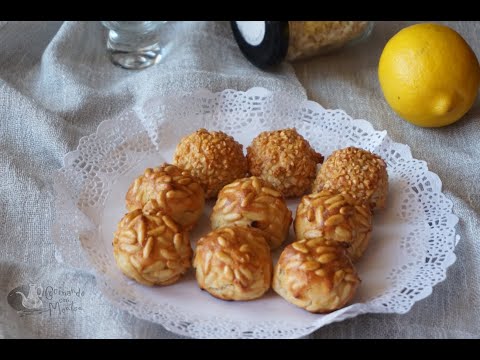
<point x="268" y="43"/>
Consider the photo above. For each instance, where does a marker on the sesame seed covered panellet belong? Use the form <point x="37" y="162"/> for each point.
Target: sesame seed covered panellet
<point x="358" y="172"/>
<point x="214" y="158"/>
<point x="284" y="159"/>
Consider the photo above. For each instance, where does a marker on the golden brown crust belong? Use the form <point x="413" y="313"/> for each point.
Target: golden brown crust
<point x="213" y="157"/>
<point x="234" y="263"/>
<point x="316" y="275"/>
<point x="151" y="249"/>
<point x="284" y="159"/>
<point x="169" y="189"/>
<point x="335" y="216"/>
<point x="360" y="173"/>
<point x="253" y="202"/>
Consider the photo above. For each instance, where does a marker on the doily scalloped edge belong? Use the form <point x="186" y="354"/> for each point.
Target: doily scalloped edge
<point x="348" y="312"/>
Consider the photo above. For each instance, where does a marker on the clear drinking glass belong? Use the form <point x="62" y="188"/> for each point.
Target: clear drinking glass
<point x="134" y="44"/>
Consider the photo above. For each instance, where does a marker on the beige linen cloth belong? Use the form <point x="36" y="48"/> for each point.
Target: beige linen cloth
<point x="57" y="85"/>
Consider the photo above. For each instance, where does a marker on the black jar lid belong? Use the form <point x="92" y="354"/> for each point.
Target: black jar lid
<point x="264" y="43"/>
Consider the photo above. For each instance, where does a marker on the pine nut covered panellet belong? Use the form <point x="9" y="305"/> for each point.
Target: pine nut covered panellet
<point x="316" y="275"/>
<point x="254" y="203"/>
<point x="169" y="189"/>
<point x="336" y="217"/>
<point x="151" y="249"/>
<point x="234" y="263"/>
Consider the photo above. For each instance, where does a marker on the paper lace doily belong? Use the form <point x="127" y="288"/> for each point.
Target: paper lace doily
<point x="411" y="248"/>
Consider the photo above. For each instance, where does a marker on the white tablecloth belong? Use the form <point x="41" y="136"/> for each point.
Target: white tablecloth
<point x="56" y="85"/>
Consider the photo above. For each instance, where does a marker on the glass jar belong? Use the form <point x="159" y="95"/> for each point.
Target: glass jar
<point x="268" y="43"/>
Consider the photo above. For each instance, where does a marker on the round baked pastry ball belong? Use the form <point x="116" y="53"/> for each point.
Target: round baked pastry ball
<point x="284" y="159"/>
<point x="359" y="172"/>
<point x="316" y="275"/>
<point x="151" y="249"/>
<point x="213" y="157"/>
<point x="253" y="202"/>
<point x="336" y="217"/>
<point x="169" y="189"/>
<point x="234" y="263"/>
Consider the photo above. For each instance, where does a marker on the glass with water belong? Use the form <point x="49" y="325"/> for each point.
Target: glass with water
<point x="134" y="44"/>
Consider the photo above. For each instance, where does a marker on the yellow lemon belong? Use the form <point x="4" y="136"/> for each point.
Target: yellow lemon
<point x="429" y="75"/>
